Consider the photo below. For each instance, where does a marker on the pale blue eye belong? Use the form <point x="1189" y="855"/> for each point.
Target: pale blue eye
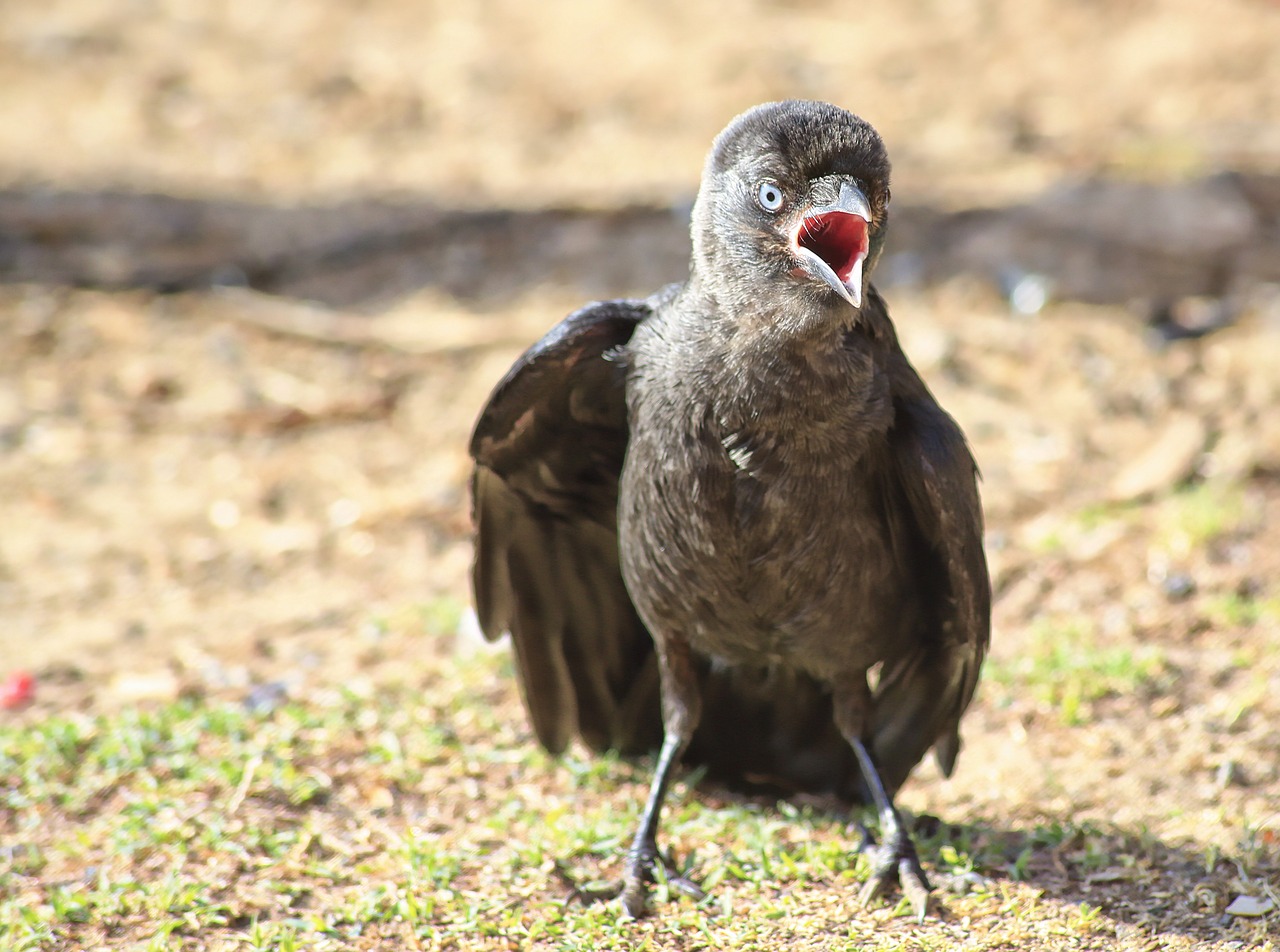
<point x="769" y="196"/>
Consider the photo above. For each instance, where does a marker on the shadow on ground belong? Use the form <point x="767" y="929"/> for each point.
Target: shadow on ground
<point x="1133" y="877"/>
<point x="1096" y="241"/>
<point x="1144" y="884"/>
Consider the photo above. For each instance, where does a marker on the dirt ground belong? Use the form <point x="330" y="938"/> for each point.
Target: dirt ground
<point x="194" y="499"/>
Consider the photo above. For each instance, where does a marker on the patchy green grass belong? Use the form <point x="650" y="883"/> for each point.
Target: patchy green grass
<point x="1067" y="666"/>
<point x="1198" y="515"/>
<point x="423" y="818"/>
<point x="1183" y="523"/>
<point x="1242" y="610"/>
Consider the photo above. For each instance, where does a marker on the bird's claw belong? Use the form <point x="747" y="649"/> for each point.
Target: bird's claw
<point x="633" y="889"/>
<point x="897" y="860"/>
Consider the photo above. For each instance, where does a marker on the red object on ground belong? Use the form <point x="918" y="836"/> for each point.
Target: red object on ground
<point x="18" y="690"/>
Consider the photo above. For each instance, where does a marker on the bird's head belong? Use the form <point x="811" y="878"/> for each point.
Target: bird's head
<point x="794" y="201"/>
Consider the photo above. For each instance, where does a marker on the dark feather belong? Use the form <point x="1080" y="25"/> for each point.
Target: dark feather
<point x="920" y="698"/>
<point x="787" y="503"/>
<point x="549" y="447"/>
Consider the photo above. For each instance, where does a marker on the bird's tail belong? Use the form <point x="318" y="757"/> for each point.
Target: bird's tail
<point x="772" y="729"/>
<point x="918" y="703"/>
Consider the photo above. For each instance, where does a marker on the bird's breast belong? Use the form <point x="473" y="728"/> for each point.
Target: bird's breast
<point x="758" y="552"/>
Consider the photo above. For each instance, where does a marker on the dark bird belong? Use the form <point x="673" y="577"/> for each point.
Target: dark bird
<point x="732" y="516"/>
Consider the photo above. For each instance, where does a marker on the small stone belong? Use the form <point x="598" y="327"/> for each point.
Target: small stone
<point x="1250" y="906"/>
<point x="1178" y="586"/>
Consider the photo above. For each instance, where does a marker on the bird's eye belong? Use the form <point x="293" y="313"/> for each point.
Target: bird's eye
<point x="769" y="196"/>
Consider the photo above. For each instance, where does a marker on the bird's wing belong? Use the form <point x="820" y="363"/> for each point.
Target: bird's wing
<point x="920" y="697"/>
<point x="549" y="447"/>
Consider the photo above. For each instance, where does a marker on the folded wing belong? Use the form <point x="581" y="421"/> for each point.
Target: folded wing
<point x="920" y="698"/>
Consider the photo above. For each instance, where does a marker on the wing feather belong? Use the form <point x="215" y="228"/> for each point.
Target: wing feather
<point x="549" y="446"/>
<point x="921" y="696"/>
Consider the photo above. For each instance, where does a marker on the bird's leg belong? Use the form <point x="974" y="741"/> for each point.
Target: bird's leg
<point x="681" y="710"/>
<point x="896" y="854"/>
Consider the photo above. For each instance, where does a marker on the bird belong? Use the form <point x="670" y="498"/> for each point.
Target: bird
<point x="729" y="521"/>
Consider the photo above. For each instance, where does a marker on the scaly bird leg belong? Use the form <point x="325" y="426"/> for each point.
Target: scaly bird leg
<point x="896" y="856"/>
<point x="681" y="709"/>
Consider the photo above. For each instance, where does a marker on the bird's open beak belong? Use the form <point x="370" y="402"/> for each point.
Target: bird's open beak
<point x="831" y="242"/>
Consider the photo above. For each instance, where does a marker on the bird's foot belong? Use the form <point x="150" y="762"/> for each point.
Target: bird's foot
<point x="895" y="859"/>
<point x="633" y="889"/>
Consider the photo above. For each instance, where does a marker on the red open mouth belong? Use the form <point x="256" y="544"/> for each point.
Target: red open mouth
<point x="838" y="238"/>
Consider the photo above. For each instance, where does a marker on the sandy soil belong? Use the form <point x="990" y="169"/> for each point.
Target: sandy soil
<point x="192" y="500"/>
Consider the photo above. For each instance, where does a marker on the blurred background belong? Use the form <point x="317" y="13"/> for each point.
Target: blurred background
<point x="261" y="263"/>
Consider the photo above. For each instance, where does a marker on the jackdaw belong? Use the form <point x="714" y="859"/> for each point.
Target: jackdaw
<point x="731" y="517"/>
